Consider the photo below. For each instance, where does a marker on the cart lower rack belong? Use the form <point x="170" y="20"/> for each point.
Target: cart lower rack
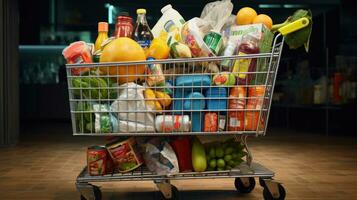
<point x="196" y="96"/>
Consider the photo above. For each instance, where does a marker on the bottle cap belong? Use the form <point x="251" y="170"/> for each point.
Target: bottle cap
<point x="141" y="11"/>
<point x="166" y="8"/>
<point x="102" y="27"/>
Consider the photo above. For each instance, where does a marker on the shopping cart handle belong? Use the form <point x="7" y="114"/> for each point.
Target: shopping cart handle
<point x="294" y="26"/>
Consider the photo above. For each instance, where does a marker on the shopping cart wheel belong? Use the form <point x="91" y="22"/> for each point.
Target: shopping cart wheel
<point x="269" y="196"/>
<point x="97" y="194"/>
<point x="174" y="194"/>
<point x="244" y="185"/>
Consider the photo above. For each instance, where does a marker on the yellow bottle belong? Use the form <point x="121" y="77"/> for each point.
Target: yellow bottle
<point x="102" y="35"/>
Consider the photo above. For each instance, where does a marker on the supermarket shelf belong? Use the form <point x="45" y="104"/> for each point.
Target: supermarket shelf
<point x="143" y="174"/>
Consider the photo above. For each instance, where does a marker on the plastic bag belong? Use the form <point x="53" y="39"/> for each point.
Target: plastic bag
<point x="104" y="121"/>
<point x="133" y="121"/>
<point x="160" y="157"/>
<point x="216" y="13"/>
<point x="192" y="34"/>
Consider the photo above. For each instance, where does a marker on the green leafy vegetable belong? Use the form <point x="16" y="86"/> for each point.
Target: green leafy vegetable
<point x="301" y="37"/>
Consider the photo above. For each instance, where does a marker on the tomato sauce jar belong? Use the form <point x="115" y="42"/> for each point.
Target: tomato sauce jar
<point x="124" y="25"/>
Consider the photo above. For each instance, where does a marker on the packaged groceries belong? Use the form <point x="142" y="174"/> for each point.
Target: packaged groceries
<point x="99" y="161"/>
<point x="236" y="104"/>
<point x="131" y="109"/>
<point x="224" y="79"/>
<point x="78" y="53"/>
<point x="216" y="98"/>
<point x="172" y="123"/>
<point x="222" y="122"/>
<point x="169" y="24"/>
<point x="102" y="35"/>
<point x="124" y="25"/>
<point x="160" y="157"/>
<point x="125" y="154"/>
<point x="198" y="81"/>
<point x="243" y="66"/>
<point x="211" y="122"/>
<point x="182" y="148"/>
<point x="104" y="121"/>
<point x="214" y="41"/>
<point x="254" y="120"/>
<point x="123" y="49"/>
<point x="142" y="33"/>
<point x="154" y="74"/>
<point x="192" y="34"/>
<point x="180" y="50"/>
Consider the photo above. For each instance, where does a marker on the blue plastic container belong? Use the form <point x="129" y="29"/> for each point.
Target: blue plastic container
<point x="216" y="98"/>
<point x="193" y="80"/>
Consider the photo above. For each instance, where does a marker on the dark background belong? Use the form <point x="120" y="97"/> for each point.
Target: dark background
<point x="43" y="98"/>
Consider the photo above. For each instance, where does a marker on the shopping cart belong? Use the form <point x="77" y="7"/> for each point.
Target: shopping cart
<point x="196" y="70"/>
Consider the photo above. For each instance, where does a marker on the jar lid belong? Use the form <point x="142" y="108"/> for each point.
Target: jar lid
<point x="141" y="11"/>
<point x="102" y="27"/>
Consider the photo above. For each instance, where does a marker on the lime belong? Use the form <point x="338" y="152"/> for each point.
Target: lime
<point x="219" y="152"/>
<point x="221" y="163"/>
<point x="220" y="169"/>
<point x="227" y="158"/>
<point x="228" y="150"/>
<point x="212" y="152"/>
<point x="212" y="163"/>
<point x="231" y="163"/>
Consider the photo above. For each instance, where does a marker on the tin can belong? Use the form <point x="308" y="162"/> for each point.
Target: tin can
<point x="213" y="41"/>
<point x="172" y="123"/>
<point x="97" y="161"/>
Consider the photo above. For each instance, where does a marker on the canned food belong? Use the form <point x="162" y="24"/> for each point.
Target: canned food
<point x="125" y="154"/>
<point x="98" y="161"/>
<point x="172" y="123"/>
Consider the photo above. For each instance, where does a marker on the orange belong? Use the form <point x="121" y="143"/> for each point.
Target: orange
<point x="245" y="16"/>
<point x="120" y="50"/>
<point x="265" y="19"/>
<point x="158" y="49"/>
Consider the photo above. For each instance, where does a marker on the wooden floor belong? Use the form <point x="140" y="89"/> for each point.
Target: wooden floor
<point x="45" y="166"/>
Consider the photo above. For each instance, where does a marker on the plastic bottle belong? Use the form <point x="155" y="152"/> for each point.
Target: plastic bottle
<point x="236" y="101"/>
<point x="124" y="25"/>
<point x="102" y="35"/>
<point x="170" y="23"/>
<point x="142" y="34"/>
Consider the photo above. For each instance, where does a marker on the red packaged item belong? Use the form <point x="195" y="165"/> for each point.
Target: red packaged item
<point x="182" y="148"/>
<point x="236" y="101"/>
<point x="78" y="53"/>
<point x="98" y="161"/>
<point x="211" y="122"/>
<point x="125" y="154"/>
<point x="255" y="101"/>
<point x="124" y="26"/>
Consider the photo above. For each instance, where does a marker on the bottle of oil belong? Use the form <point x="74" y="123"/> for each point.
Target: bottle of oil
<point x="142" y="34"/>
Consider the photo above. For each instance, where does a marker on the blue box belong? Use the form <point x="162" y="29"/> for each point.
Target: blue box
<point x="216" y="98"/>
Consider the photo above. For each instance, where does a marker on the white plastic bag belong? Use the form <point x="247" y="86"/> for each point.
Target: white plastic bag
<point x="160" y="157"/>
<point x="131" y="100"/>
<point x="216" y="13"/>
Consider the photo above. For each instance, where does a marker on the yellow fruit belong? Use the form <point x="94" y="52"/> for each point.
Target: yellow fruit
<point x="151" y="101"/>
<point x="245" y="16"/>
<point x="265" y="19"/>
<point x="120" y="50"/>
<point x="158" y="49"/>
<point x="163" y="98"/>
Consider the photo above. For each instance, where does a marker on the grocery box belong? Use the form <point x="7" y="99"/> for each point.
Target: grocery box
<point x="264" y="37"/>
<point x="218" y="103"/>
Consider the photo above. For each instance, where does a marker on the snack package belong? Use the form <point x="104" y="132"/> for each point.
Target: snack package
<point x="160" y="157"/>
<point x="155" y="75"/>
<point x="264" y="39"/>
<point x="77" y="53"/>
<point x="104" y="121"/>
<point x="131" y="98"/>
<point x="125" y="154"/>
<point x="192" y="34"/>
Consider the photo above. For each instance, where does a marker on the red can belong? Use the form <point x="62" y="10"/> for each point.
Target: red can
<point x="124" y="26"/>
<point x="99" y="161"/>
